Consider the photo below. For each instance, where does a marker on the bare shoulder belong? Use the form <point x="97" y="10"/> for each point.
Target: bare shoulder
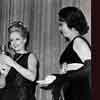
<point x="32" y="57"/>
<point x="79" y="43"/>
<point x="81" y="47"/>
<point x="32" y="62"/>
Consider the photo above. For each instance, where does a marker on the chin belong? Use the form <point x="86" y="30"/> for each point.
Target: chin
<point x="16" y="49"/>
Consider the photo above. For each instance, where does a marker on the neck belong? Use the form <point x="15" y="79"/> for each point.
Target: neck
<point x="73" y="35"/>
<point x="21" y="51"/>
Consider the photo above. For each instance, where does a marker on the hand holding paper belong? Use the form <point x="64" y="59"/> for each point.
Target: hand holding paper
<point x="48" y="80"/>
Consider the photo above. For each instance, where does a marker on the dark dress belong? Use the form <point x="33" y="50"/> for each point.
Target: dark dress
<point x="79" y="81"/>
<point x="18" y="87"/>
<point x="73" y="85"/>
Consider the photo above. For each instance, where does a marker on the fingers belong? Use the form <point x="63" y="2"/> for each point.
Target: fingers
<point x="64" y="68"/>
<point x="5" y="60"/>
<point x="2" y="58"/>
<point x="4" y="69"/>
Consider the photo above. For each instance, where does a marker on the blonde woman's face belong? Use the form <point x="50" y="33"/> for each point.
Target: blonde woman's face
<point x="17" y="41"/>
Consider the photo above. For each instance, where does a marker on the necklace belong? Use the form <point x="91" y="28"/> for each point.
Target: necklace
<point x="19" y="57"/>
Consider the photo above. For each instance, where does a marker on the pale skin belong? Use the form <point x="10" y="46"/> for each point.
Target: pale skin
<point x="18" y="43"/>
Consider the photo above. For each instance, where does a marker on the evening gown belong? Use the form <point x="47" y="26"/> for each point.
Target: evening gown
<point x="73" y="85"/>
<point x="18" y="87"/>
<point x="78" y="85"/>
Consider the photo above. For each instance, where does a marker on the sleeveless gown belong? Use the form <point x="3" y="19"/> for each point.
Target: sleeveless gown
<point x="73" y="85"/>
<point x="79" y="86"/>
<point x="18" y="87"/>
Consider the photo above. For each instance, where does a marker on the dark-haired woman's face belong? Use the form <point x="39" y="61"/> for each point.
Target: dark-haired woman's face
<point x="17" y="41"/>
<point x="64" y="29"/>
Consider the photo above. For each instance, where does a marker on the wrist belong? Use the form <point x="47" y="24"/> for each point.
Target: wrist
<point x="13" y="64"/>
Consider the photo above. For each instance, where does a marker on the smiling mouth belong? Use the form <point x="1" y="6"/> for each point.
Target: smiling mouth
<point x="15" y="47"/>
<point x="61" y="32"/>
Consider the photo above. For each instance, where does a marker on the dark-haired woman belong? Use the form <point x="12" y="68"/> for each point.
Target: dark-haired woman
<point x="74" y="80"/>
<point x="20" y="78"/>
<point x="76" y="58"/>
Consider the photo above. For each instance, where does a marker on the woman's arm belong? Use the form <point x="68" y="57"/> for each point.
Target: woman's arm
<point x="29" y="73"/>
<point x="84" y="53"/>
<point x="82" y="49"/>
<point x="4" y="69"/>
<point x="69" y="67"/>
<point x="74" y="66"/>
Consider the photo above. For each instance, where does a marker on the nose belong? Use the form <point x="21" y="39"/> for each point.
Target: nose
<point x="59" y="28"/>
<point x="13" y="43"/>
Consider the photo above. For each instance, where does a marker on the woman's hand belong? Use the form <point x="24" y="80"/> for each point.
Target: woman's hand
<point x="63" y="70"/>
<point x="6" y="60"/>
<point x="48" y="80"/>
<point x="4" y="69"/>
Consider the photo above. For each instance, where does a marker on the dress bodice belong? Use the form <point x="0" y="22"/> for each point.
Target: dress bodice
<point x="16" y="79"/>
<point x="69" y="55"/>
<point x="18" y="87"/>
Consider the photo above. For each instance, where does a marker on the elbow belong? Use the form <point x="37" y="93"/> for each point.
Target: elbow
<point x="33" y="78"/>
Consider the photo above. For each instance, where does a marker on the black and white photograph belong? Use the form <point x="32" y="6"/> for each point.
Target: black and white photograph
<point x="45" y="50"/>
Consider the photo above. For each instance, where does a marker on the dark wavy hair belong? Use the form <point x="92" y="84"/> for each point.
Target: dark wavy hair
<point x="19" y="27"/>
<point x="74" y="19"/>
